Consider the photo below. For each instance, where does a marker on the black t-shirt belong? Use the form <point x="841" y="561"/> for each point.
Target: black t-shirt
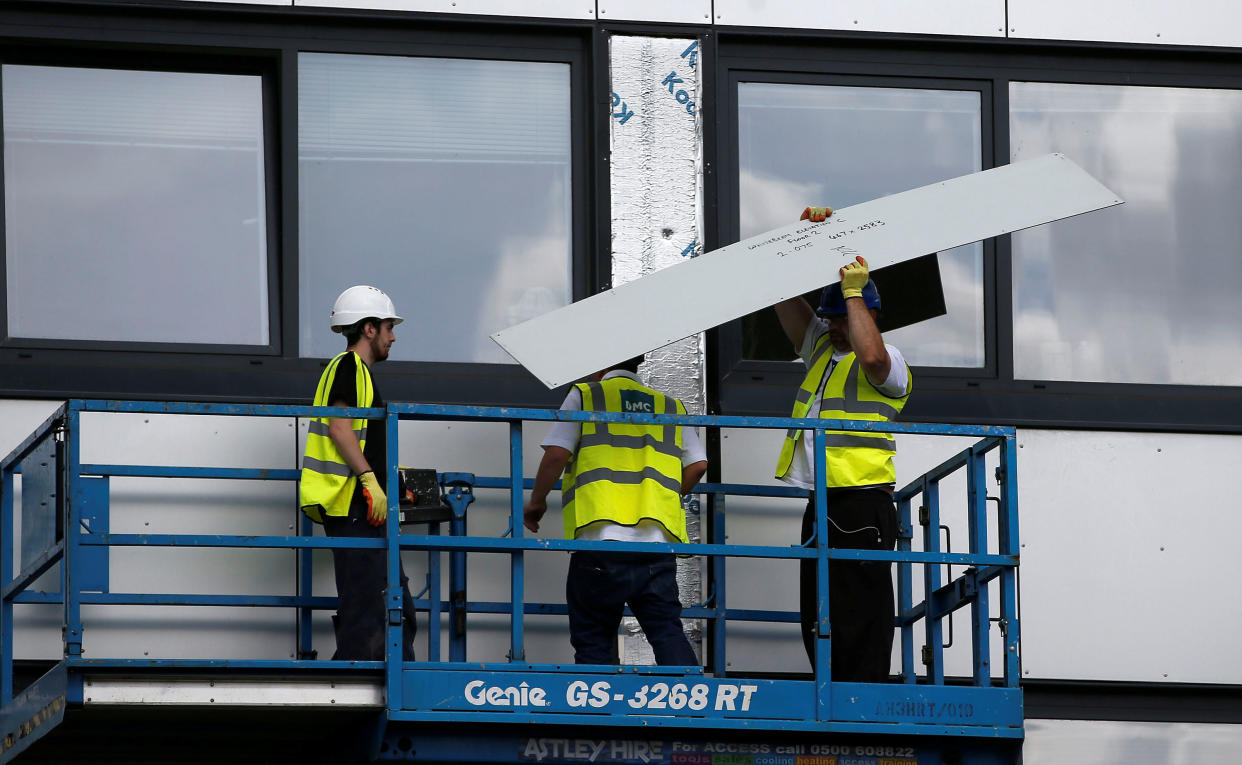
<point x="343" y="390"/>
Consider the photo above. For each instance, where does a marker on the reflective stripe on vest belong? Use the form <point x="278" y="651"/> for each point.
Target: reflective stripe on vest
<point x="625" y="473"/>
<point x="327" y="484"/>
<point x="853" y="458"/>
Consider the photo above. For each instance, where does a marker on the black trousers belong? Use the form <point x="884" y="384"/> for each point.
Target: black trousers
<point x="860" y="593"/>
<point x="599" y="586"/>
<point x="361" y="576"/>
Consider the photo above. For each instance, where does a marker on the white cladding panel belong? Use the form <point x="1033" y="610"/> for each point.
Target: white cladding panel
<point x="1129" y="554"/>
<point x="1130" y="558"/>
<point x="556" y="9"/>
<point x="750" y="275"/>
<point x="983" y="18"/>
<point x="1203" y="22"/>
<point x="680" y="11"/>
<point x="1108" y="742"/>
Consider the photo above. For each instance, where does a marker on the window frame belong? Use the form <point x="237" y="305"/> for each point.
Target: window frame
<point x="270" y="39"/>
<point x="79" y="58"/>
<point x="991" y="395"/>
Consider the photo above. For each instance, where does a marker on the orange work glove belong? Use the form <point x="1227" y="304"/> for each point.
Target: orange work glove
<point x="377" y="500"/>
<point x="816" y="214"/>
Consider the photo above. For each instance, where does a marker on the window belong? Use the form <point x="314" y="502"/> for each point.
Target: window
<point x="839" y="145"/>
<point x="135" y="206"/>
<point x="1145" y="292"/>
<point x="446" y="183"/>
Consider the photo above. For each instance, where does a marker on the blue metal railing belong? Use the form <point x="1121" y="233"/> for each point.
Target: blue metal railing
<point x="810" y="706"/>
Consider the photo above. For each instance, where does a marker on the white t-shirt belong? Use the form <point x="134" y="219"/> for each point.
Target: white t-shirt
<point x="566" y="434"/>
<point x="802" y="470"/>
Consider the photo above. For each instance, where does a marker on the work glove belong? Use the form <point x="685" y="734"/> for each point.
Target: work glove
<point x="854" y="277"/>
<point x="816" y="214"/>
<point x="377" y="500"/>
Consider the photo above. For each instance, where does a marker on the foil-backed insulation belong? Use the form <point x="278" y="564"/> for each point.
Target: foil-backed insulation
<point x="657" y="190"/>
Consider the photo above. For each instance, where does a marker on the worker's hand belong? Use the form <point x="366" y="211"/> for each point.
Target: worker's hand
<point x="377" y="500"/>
<point x="854" y="277"/>
<point x="816" y="214"/>
<point x="533" y="512"/>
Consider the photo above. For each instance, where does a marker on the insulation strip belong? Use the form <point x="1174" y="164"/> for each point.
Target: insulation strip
<point x="657" y="180"/>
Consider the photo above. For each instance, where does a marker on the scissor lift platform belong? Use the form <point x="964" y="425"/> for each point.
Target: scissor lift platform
<point x="511" y="710"/>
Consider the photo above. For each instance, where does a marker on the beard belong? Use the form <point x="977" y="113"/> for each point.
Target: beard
<point x="379" y="351"/>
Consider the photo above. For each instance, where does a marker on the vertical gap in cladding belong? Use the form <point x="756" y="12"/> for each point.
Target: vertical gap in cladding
<point x="656" y="188"/>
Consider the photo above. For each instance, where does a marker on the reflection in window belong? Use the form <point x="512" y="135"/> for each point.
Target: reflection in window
<point x="802" y="145"/>
<point x="134" y="206"/>
<point x="1100" y="742"/>
<point x="1145" y="292"/>
<point x="446" y="183"/>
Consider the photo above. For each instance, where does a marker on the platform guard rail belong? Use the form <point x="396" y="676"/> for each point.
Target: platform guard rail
<point x="988" y="705"/>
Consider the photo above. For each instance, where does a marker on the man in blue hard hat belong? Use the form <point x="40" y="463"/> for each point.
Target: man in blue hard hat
<point x="851" y="375"/>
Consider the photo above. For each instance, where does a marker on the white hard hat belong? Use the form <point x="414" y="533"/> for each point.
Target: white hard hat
<point x="362" y="302"/>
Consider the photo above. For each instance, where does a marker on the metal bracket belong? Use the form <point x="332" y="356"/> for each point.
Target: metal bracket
<point x="459" y="612"/>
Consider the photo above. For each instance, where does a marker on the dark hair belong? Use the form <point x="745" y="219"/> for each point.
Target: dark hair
<point x="630" y="365"/>
<point x="353" y="333"/>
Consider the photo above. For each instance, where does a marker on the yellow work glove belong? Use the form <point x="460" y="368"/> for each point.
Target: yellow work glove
<point x="816" y="214"/>
<point x="377" y="500"/>
<point x="854" y="277"/>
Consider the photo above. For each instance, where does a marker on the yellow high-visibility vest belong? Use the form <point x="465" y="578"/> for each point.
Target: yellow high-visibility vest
<point x="327" y="484"/>
<point x="853" y="458"/>
<point x="625" y="473"/>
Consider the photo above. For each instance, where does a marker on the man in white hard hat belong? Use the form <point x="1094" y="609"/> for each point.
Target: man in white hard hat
<point x="344" y="472"/>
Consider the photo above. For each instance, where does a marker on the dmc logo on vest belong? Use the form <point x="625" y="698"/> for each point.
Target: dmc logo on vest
<point x="637" y="402"/>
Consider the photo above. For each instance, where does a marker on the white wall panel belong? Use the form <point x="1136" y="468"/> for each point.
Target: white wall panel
<point x="984" y="18"/>
<point x="682" y="11"/>
<point x="144" y="505"/>
<point x="555" y="9"/>
<point x="1203" y="22"/>
<point x="1130" y="560"/>
<point x="1129" y="554"/>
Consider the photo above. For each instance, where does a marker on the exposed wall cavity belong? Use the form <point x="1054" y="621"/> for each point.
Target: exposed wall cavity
<point x="657" y="173"/>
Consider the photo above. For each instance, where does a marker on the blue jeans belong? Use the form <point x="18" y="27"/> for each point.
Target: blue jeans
<point x="599" y="586"/>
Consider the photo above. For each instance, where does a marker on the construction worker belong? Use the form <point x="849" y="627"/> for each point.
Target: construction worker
<point x="622" y="482"/>
<point x="344" y="472"/>
<point x="851" y="375"/>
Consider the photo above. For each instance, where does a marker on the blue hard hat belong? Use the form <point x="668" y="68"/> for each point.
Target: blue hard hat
<point x="832" y="303"/>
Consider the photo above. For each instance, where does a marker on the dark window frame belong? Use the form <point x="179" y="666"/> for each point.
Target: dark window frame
<point x="730" y="336"/>
<point x="991" y="395"/>
<point x="211" y="39"/>
<point x="260" y="66"/>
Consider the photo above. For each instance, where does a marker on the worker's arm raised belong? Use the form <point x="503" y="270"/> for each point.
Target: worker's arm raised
<point x="555" y="458"/>
<point x="865" y="337"/>
<point x="796" y="314"/>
